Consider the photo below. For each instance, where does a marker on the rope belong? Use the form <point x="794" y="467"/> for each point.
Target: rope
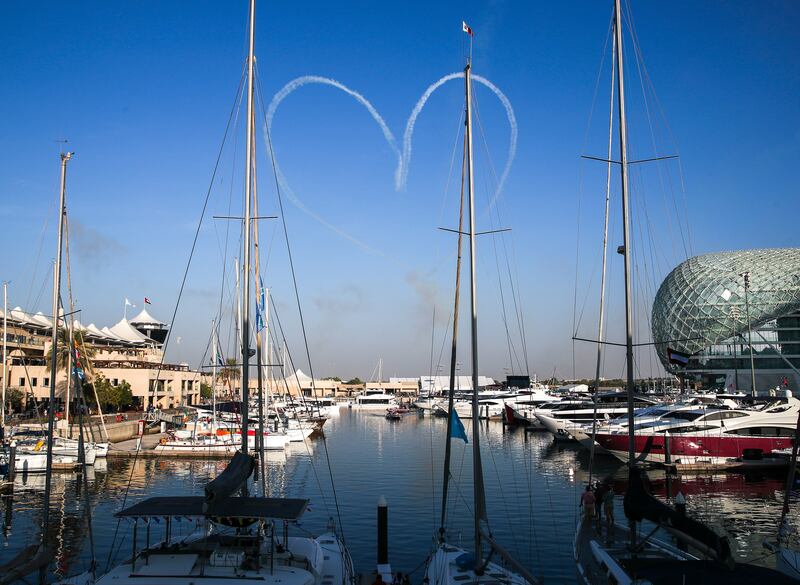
<point x="177" y="303"/>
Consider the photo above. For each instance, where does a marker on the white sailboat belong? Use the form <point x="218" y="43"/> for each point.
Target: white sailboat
<point x="239" y="538"/>
<point x="450" y="564"/>
<point x="624" y="556"/>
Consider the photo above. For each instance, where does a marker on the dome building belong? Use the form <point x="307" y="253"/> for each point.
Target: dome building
<point x="700" y="319"/>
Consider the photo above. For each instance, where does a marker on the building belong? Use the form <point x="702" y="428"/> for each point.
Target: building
<point x="129" y="351"/>
<point x="701" y="310"/>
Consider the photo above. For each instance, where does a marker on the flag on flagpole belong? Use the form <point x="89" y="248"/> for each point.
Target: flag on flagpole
<point x="147" y="301"/>
<point x="457" y="430"/>
<point x="260" y="305"/>
<point x="678" y="358"/>
<point x="128" y="303"/>
<point x="465" y="27"/>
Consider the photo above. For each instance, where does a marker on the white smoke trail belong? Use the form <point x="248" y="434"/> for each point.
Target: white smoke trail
<point x="401" y="174"/>
<point x="306" y="79"/>
<point x="290" y="195"/>
<point x="404" y="157"/>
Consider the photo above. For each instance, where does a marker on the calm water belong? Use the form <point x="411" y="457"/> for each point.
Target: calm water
<point x="532" y="488"/>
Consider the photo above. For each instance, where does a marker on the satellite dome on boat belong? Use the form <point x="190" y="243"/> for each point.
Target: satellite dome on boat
<point x="702" y="301"/>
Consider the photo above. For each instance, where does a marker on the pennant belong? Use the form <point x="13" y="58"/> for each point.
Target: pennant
<point x="260" y="305"/>
<point x="457" y="430"/>
<point x="678" y="358"/>
<point x="147" y="301"/>
<point x="466" y="28"/>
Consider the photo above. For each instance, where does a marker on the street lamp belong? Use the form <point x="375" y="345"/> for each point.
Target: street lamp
<point x="746" y="276"/>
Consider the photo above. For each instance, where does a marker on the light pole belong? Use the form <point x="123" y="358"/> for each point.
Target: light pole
<point x="5" y="354"/>
<point x="746" y="276"/>
<point x="735" y="314"/>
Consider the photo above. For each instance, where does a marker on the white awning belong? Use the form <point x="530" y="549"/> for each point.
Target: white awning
<point x="145" y="318"/>
<point x="127" y="332"/>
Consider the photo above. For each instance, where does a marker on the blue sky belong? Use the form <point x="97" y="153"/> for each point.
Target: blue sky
<point x="143" y="92"/>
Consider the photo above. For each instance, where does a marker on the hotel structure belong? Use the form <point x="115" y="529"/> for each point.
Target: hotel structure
<point x="130" y="351"/>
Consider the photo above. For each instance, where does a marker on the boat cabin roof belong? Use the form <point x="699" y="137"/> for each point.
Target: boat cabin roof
<point x="166" y="506"/>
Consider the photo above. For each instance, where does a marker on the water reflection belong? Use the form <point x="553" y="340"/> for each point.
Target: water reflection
<point x="532" y="487"/>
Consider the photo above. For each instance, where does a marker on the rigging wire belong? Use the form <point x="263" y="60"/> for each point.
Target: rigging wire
<point x="299" y="306"/>
<point x="177" y="304"/>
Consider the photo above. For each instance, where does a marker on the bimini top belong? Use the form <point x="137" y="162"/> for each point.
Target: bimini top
<point x="701" y="302"/>
<point x="168" y="506"/>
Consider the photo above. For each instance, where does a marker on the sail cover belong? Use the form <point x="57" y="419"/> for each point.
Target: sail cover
<point x="231" y="479"/>
<point x="641" y="505"/>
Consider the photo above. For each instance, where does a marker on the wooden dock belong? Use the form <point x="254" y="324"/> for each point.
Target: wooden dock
<point x="147" y="450"/>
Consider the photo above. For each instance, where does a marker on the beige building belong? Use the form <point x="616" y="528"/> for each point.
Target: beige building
<point x="130" y="351"/>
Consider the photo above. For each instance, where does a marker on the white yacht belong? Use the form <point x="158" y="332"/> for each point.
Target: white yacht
<point x="376" y="399"/>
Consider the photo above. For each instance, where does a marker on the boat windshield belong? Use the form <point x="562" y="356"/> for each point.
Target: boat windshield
<point x="686" y="415"/>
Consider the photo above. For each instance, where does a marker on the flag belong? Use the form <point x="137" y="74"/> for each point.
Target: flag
<point x="220" y="361"/>
<point x="678" y="357"/>
<point x="146" y="301"/>
<point x="260" y="305"/>
<point x="457" y="430"/>
<point x="128" y="303"/>
<point x="466" y="28"/>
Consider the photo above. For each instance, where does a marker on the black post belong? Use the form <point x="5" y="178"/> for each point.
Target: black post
<point x="383" y="532"/>
<point x="680" y="508"/>
<point x="667" y="458"/>
<point x="12" y="461"/>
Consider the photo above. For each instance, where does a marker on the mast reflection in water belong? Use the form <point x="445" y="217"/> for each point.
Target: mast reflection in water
<point x="534" y="485"/>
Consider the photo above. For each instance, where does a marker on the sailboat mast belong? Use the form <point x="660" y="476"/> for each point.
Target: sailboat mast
<point x="214" y="360"/>
<point x="603" y="275"/>
<point x="626" y="240"/>
<point x="247" y="194"/>
<point x="5" y="355"/>
<point x="480" y="504"/>
<point x="62" y="211"/>
<point x="453" y="351"/>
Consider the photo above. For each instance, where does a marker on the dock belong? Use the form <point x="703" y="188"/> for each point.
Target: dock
<point x="127" y="449"/>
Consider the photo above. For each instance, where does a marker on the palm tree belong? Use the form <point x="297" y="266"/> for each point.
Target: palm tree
<point x="230" y="373"/>
<point x="85" y="352"/>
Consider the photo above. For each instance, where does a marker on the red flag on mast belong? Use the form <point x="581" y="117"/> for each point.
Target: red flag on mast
<point x="465" y="27"/>
<point x="146" y="301"/>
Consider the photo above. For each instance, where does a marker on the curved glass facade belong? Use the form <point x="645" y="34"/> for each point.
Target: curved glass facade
<point x="700" y="310"/>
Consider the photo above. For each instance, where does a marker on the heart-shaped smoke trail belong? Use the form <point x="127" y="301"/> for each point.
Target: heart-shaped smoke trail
<point x="404" y="157"/>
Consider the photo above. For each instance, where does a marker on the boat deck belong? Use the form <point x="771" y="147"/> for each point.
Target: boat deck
<point x="589" y="569"/>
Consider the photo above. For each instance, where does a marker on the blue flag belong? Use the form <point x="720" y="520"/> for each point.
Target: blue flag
<point x="457" y="427"/>
<point x="260" y="303"/>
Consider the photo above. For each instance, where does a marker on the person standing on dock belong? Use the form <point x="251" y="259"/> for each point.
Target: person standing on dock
<point x="587" y="503"/>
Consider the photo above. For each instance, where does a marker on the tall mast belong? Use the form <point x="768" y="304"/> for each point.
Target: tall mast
<point x="480" y="503"/>
<point x="259" y="327"/>
<point x="247" y="194"/>
<point x="215" y="353"/>
<point x="603" y="274"/>
<point x="62" y="211"/>
<point x="5" y="355"/>
<point x="453" y="352"/>
<point x="626" y="240"/>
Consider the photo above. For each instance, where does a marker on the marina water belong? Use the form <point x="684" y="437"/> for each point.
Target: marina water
<point x="532" y="485"/>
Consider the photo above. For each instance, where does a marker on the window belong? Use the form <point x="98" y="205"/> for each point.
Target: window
<point x="45" y="381"/>
<point x="685" y="415"/>
<point x="22" y="381"/>
<point x="114" y="382"/>
<point x="34" y="382"/>
<point x="724" y="415"/>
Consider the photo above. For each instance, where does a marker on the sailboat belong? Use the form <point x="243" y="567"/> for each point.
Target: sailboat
<point x="238" y="538"/>
<point x="450" y="564"/>
<point x="625" y="557"/>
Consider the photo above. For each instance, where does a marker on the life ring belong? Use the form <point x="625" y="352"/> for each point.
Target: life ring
<point x="163" y="441"/>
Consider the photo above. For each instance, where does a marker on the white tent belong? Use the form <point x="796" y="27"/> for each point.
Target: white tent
<point x="127" y="332"/>
<point x="145" y="318"/>
<point x="42" y="320"/>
